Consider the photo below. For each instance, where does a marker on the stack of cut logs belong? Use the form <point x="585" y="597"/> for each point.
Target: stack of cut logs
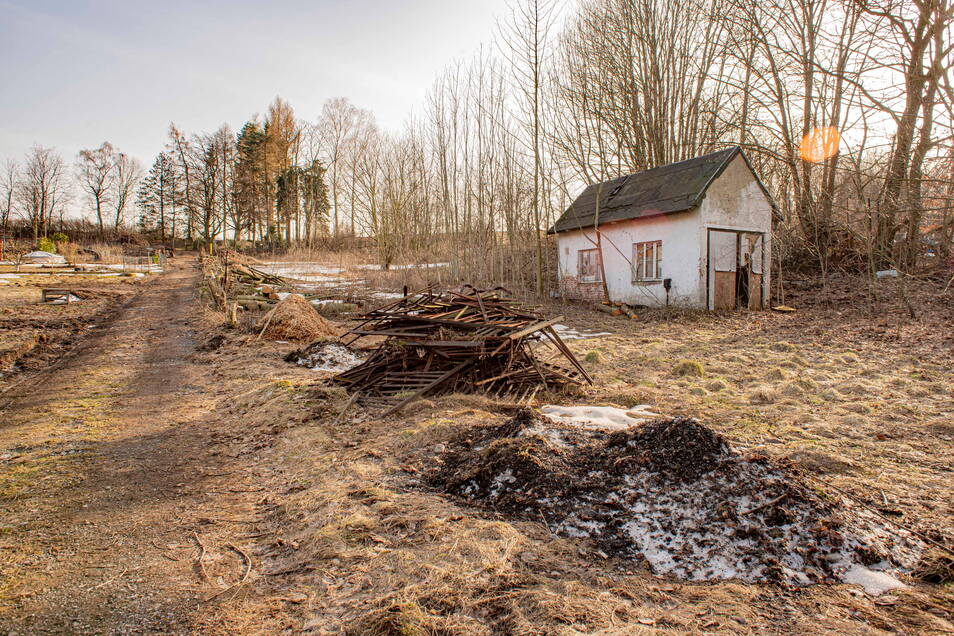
<point x="466" y="341"/>
<point x="618" y="309"/>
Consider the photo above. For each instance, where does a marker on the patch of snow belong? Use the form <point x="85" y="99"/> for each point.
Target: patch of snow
<point x="603" y="417"/>
<point x="289" y="269"/>
<point x="386" y="295"/>
<point x="63" y="301"/>
<point x="874" y="583"/>
<point x="568" y="333"/>
<point x="396" y="268"/>
<point x="332" y="357"/>
<point x="40" y="257"/>
<point x="506" y="477"/>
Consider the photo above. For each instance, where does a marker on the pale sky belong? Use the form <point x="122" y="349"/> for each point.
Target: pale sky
<point x="75" y="73"/>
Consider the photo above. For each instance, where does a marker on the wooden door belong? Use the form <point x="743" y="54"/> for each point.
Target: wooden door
<point x="755" y="291"/>
<point x="723" y="268"/>
<point x="724" y="290"/>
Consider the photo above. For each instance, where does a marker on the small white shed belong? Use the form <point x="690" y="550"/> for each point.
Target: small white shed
<point x="697" y="233"/>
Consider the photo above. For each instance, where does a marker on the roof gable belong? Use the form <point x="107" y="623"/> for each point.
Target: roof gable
<point x="675" y="187"/>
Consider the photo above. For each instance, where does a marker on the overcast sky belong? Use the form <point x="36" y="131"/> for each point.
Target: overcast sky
<point x="75" y="73"/>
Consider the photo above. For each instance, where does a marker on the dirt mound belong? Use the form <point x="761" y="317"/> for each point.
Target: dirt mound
<point x="670" y="492"/>
<point x="680" y="447"/>
<point x="296" y="319"/>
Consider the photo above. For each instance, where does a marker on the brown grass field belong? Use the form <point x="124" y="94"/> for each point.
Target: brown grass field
<point x="310" y="522"/>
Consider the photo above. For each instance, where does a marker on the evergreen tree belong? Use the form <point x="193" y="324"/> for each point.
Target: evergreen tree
<point x="250" y="182"/>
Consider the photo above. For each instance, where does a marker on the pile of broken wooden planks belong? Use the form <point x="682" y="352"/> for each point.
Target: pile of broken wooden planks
<point x="465" y="341"/>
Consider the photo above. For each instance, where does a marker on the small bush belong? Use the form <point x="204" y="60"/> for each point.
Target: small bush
<point x="59" y="237"/>
<point x="689" y="367"/>
<point x="46" y="245"/>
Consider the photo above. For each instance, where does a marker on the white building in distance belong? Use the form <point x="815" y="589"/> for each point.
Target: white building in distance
<point x="697" y="234"/>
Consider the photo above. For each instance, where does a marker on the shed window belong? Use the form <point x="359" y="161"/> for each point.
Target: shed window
<point x="589" y="269"/>
<point x="647" y="261"/>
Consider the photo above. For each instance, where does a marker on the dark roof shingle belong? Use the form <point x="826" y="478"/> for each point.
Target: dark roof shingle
<point x="672" y="188"/>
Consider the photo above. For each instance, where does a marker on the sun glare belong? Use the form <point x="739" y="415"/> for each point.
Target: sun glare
<point x="820" y="144"/>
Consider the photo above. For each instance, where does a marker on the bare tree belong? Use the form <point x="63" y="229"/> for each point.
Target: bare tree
<point x="42" y="189"/>
<point x="128" y="172"/>
<point x="95" y="173"/>
<point x="8" y="186"/>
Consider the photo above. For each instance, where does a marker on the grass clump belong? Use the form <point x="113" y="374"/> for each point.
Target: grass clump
<point x="596" y="357"/>
<point x="763" y="395"/>
<point x="689" y="368"/>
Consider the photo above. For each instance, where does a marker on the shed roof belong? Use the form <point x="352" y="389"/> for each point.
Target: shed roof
<point x="675" y="187"/>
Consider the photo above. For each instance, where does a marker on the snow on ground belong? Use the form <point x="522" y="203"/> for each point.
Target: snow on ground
<point x="290" y="269"/>
<point x="673" y="493"/>
<point x="394" y="268"/>
<point x="604" y="417"/>
<point x="874" y="582"/>
<point x="568" y="333"/>
<point x="330" y="356"/>
<point x="39" y="257"/>
<point x="63" y="301"/>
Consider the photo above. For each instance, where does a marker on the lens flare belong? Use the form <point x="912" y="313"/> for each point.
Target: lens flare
<point x="820" y="144"/>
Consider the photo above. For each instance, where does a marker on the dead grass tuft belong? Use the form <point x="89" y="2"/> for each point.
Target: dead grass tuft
<point x="689" y="368"/>
<point x="595" y="357"/>
<point x="763" y="395"/>
<point x="296" y="319"/>
<point x="823" y="463"/>
<point x="936" y="567"/>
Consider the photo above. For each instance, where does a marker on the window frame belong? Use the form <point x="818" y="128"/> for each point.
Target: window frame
<point x="639" y="260"/>
<point x="597" y="276"/>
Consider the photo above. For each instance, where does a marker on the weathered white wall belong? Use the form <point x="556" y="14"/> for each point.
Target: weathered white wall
<point x="682" y="258"/>
<point x="735" y="201"/>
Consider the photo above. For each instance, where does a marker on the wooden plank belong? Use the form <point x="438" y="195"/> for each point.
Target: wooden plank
<point x="539" y="326"/>
<point x="435" y="383"/>
<point x="755" y="291"/>
<point x="724" y="285"/>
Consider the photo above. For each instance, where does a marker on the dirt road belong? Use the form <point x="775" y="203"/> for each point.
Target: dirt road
<point x="110" y="480"/>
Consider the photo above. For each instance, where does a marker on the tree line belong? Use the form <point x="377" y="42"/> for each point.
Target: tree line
<point x="843" y="106"/>
<point x="40" y="189"/>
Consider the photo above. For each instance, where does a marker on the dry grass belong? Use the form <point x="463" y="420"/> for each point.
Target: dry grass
<point x="297" y="320"/>
<point x="349" y="519"/>
<point x="111" y="254"/>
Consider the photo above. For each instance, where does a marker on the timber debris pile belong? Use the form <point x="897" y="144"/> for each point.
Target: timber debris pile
<point x="465" y="341"/>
